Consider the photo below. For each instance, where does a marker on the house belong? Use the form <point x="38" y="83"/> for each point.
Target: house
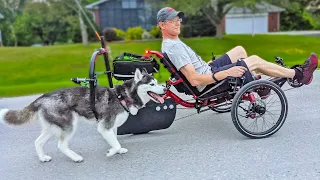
<point x="266" y="18"/>
<point x="123" y="14"/>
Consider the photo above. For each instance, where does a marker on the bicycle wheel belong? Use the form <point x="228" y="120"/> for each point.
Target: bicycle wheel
<point x="259" y="117"/>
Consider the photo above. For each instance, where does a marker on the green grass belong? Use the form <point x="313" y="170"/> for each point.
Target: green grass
<point x="31" y="70"/>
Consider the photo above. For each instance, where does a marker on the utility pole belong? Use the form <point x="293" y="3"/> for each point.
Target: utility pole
<point x="1" y="44"/>
<point x="1" y="39"/>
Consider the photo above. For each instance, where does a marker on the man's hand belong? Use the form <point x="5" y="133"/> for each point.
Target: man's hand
<point x="196" y="79"/>
<point x="236" y="71"/>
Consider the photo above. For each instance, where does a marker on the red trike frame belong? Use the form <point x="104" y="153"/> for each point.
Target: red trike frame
<point x="249" y="97"/>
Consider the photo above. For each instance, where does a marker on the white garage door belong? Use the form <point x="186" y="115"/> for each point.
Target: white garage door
<point x="246" y="24"/>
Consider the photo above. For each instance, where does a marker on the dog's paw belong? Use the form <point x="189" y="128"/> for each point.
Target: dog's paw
<point x="45" y="159"/>
<point x="122" y="151"/>
<point x="78" y="159"/>
<point x="111" y="152"/>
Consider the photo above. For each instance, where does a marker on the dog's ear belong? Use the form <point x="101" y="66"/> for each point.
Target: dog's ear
<point x="137" y="75"/>
<point x="144" y="71"/>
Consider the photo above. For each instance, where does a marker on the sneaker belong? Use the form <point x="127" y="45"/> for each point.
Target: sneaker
<point x="307" y="69"/>
<point x="263" y="92"/>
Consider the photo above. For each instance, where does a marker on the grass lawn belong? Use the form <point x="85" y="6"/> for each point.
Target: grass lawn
<point x="32" y="70"/>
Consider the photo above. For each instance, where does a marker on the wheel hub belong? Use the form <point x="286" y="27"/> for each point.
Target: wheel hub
<point x="259" y="109"/>
<point x="256" y="109"/>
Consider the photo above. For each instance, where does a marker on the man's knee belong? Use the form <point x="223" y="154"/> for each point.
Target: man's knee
<point x="254" y="62"/>
<point x="237" y="53"/>
<point x="241" y="51"/>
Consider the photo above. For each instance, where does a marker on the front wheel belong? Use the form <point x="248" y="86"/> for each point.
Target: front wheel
<point x="259" y="116"/>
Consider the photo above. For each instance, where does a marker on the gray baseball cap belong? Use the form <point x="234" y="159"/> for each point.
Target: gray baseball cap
<point x="168" y="13"/>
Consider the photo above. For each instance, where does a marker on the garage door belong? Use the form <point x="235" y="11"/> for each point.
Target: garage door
<point x="246" y="24"/>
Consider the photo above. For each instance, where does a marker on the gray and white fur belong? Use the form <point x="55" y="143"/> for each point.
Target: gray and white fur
<point x="59" y="112"/>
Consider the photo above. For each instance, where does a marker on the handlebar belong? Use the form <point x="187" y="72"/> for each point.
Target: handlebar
<point x="158" y="54"/>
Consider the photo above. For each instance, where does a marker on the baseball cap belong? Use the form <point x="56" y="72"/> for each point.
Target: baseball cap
<point x="167" y="13"/>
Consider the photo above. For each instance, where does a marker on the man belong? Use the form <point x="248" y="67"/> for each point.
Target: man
<point x="200" y="74"/>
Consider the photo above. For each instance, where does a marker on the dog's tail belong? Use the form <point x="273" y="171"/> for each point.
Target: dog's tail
<point x="17" y="117"/>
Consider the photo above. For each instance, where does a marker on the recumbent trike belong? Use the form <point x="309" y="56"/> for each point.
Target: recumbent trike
<point x="252" y="115"/>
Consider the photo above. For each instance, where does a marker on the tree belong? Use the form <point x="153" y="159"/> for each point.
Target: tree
<point x="12" y="9"/>
<point x="78" y="6"/>
<point x="314" y="7"/>
<point x="214" y="10"/>
<point x="50" y="21"/>
<point x="296" y="16"/>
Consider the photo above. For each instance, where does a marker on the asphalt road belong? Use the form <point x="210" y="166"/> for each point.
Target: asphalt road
<point x="203" y="146"/>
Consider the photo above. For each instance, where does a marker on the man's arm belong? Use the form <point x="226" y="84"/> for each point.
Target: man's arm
<point x="196" y="79"/>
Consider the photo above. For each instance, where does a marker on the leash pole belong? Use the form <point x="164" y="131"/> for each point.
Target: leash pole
<point x="106" y="61"/>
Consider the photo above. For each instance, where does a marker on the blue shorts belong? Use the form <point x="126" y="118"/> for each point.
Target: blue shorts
<point x="224" y="63"/>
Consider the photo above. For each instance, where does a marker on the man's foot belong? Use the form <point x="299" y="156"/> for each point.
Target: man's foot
<point x="306" y="70"/>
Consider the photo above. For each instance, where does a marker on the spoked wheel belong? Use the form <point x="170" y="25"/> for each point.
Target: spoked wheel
<point x="259" y="117"/>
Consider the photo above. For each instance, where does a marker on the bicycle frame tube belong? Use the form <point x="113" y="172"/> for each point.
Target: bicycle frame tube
<point x="249" y="97"/>
<point x="92" y="75"/>
<point x="178" y="100"/>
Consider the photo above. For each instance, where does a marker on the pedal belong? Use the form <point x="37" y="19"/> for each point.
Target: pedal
<point x="197" y="106"/>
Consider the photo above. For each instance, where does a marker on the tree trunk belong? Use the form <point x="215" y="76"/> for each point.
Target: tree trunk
<point x="1" y="43"/>
<point x="14" y="35"/>
<point x="219" y="30"/>
<point x="83" y="28"/>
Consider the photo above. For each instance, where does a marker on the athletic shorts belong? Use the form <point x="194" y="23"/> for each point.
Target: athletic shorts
<point x="224" y="63"/>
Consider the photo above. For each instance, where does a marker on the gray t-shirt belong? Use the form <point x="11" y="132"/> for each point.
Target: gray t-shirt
<point x="180" y="55"/>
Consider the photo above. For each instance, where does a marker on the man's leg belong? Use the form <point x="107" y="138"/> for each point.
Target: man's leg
<point x="233" y="55"/>
<point x="237" y="53"/>
<point x="255" y="63"/>
<point x="303" y="74"/>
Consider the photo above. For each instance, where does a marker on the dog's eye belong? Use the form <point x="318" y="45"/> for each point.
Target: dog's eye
<point x="152" y="84"/>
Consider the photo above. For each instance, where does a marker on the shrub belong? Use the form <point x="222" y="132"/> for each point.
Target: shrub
<point x="155" y="31"/>
<point x="110" y="34"/>
<point x="146" y="35"/>
<point x="134" y="33"/>
<point x="120" y="34"/>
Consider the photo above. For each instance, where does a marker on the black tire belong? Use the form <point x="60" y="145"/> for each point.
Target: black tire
<point x="222" y="109"/>
<point x="237" y="101"/>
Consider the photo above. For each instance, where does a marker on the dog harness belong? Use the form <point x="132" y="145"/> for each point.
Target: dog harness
<point x="122" y="102"/>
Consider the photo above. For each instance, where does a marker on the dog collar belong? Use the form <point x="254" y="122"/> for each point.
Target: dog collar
<point x="123" y="102"/>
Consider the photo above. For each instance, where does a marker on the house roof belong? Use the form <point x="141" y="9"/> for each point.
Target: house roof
<point x="1" y="16"/>
<point x="95" y="4"/>
<point x="261" y="7"/>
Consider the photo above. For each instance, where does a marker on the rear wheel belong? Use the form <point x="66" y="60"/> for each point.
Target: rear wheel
<point x="257" y="117"/>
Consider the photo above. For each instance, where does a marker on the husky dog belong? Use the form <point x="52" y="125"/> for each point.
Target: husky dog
<point x="60" y="111"/>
